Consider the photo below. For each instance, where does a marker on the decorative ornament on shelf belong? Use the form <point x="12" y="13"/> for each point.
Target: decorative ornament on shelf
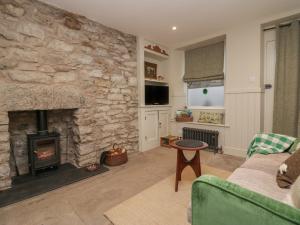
<point x="184" y="115"/>
<point x="150" y="70"/>
<point x="211" y="117"/>
<point x="160" y="77"/>
<point x="157" y="49"/>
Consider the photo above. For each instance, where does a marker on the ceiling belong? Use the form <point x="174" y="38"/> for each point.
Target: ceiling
<point x="153" y="19"/>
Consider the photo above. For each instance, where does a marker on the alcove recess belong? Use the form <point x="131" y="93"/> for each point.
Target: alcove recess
<point x="161" y="59"/>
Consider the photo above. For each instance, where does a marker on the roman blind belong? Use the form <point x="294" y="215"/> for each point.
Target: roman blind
<point x="204" y="63"/>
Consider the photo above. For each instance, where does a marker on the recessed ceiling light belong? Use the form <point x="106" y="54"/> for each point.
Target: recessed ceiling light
<point x="174" y="28"/>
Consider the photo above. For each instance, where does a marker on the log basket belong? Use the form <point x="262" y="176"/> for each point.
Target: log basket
<point x="116" y="156"/>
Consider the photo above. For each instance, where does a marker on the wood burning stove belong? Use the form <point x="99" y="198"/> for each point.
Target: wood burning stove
<point x="43" y="147"/>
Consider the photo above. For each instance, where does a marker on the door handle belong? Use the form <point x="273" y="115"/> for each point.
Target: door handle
<point x="268" y="86"/>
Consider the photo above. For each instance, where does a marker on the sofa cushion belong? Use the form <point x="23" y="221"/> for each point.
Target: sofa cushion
<point x="295" y="146"/>
<point x="260" y="182"/>
<point x="266" y="163"/>
<point x="289" y="170"/>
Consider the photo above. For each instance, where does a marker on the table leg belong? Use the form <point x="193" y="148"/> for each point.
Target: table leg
<point x="195" y="164"/>
<point x="178" y="168"/>
<point x="182" y="162"/>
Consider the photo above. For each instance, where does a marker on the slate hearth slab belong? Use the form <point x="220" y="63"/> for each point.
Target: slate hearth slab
<point x="27" y="186"/>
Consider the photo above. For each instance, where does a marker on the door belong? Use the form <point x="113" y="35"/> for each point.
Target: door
<point x="163" y="123"/>
<point x="269" y="78"/>
<point x="150" y="127"/>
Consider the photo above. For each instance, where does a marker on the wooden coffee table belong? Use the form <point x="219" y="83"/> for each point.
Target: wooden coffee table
<point x="182" y="162"/>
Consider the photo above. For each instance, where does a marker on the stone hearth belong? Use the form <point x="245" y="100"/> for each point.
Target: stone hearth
<point x="54" y="60"/>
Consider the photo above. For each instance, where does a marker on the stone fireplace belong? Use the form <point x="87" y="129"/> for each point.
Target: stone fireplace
<point x="23" y="124"/>
<point x="82" y="73"/>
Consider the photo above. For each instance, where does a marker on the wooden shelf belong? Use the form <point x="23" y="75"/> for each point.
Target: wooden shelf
<point x="156" y="81"/>
<point x="152" y="54"/>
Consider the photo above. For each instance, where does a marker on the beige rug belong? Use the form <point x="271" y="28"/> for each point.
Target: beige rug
<point x="160" y="204"/>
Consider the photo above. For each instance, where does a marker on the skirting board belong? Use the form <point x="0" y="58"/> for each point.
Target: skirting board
<point x="235" y="151"/>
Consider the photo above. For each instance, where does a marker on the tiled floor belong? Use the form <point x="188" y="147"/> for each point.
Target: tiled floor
<point x="83" y="203"/>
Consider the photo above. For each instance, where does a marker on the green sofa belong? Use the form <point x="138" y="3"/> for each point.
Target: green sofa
<point x="249" y="197"/>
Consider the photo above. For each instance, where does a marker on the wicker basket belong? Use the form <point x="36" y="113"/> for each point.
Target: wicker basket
<point x="184" y="119"/>
<point x="115" y="157"/>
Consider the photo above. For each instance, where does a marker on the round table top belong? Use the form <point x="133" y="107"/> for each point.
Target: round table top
<point x="189" y="145"/>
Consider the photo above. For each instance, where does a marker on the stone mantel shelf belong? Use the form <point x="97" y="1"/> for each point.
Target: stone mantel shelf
<point x="40" y="97"/>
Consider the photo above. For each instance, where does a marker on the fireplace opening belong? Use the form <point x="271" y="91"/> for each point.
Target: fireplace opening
<point x="51" y="129"/>
<point x="43" y="147"/>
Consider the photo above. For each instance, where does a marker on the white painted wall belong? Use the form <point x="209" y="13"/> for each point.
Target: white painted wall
<point x="242" y="87"/>
<point x="177" y="86"/>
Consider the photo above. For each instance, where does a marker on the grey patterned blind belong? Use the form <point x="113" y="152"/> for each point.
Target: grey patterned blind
<point x="204" y="63"/>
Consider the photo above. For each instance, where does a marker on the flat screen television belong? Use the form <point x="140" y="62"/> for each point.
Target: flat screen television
<point x="156" y="95"/>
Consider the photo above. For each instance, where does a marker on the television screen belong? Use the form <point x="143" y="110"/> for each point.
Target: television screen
<point x="156" y="95"/>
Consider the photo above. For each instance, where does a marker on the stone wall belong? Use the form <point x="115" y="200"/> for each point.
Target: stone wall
<point x="52" y="59"/>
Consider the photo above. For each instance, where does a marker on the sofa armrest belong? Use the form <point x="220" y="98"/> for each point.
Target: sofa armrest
<point x="219" y="202"/>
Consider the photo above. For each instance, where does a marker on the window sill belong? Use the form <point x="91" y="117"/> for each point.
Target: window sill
<point x="204" y="124"/>
<point x="207" y="107"/>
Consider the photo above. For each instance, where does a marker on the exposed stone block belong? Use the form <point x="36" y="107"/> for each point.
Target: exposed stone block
<point x="81" y="58"/>
<point x="115" y="97"/>
<point x="64" y="77"/>
<point x="132" y="81"/>
<point x="5" y="183"/>
<point x="3" y="128"/>
<point x="4" y="146"/>
<point x="31" y="29"/>
<point x="13" y="10"/>
<point x="4" y="137"/>
<point x="25" y="54"/>
<point x="60" y="46"/>
<point x="4" y="157"/>
<point x="109" y="127"/>
<point x="29" y="77"/>
<point x="3" y="118"/>
<point x="8" y="34"/>
<point x="4" y="170"/>
<point x="96" y="73"/>
<point x="84" y="149"/>
<point x="72" y="23"/>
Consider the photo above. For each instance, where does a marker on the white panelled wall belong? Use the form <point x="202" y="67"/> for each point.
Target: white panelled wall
<point x="242" y="114"/>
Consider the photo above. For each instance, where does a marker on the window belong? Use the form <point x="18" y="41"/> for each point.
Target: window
<point x="206" y="95"/>
<point x="204" y="75"/>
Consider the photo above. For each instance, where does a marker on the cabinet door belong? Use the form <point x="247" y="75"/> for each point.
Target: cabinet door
<point x="150" y="127"/>
<point x="163" y="123"/>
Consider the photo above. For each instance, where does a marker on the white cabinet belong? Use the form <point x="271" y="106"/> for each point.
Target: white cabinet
<point x="163" y="123"/>
<point x="154" y="123"/>
<point x="151" y="131"/>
